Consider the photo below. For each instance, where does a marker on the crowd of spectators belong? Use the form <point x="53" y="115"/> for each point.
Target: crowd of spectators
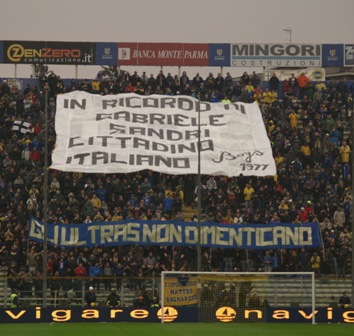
<point x="308" y="124"/>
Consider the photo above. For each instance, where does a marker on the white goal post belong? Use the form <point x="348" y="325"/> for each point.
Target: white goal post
<point x="238" y="296"/>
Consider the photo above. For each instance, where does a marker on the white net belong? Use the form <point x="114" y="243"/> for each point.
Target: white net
<point x="237" y="297"/>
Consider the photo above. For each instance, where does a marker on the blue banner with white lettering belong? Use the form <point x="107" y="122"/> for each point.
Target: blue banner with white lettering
<point x="332" y="55"/>
<point x="219" y="54"/>
<point x="106" y="53"/>
<point x="253" y="236"/>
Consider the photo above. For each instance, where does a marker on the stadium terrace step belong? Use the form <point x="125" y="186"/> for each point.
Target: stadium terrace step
<point x="189" y="211"/>
<point x="327" y="291"/>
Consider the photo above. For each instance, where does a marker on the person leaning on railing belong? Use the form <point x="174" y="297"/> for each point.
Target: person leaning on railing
<point x="91" y="298"/>
<point x="113" y="299"/>
<point x="14" y="299"/>
<point x="344" y="301"/>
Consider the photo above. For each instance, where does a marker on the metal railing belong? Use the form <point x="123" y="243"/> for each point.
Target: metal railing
<point x="71" y="291"/>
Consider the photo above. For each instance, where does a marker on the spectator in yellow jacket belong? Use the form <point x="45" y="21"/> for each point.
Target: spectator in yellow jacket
<point x="294" y="119"/>
<point x="344" y="152"/>
<point x="96" y="202"/>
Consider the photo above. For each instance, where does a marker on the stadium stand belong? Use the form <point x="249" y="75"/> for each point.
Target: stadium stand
<point x="310" y="132"/>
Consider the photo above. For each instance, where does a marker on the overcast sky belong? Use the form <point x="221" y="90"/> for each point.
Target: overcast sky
<point x="204" y="21"/>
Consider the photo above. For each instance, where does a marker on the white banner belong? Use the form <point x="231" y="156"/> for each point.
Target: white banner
<point x="275" y="55"/>
<point x="314" y="74"/>
<point x="126" y="133"/>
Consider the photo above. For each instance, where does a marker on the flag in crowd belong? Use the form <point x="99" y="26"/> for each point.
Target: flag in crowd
<point x="21" y="126"/>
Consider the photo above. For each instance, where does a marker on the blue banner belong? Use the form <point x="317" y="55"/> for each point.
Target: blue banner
<point x="219" y="55"/>
<point x="106" y="54"/>
<point x="253" y="236"/>
<point x="332" y="55"/>
<point x="1" y="52"/>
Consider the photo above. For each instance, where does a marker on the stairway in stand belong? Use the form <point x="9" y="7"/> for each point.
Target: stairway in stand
<point x="4" y="290"/>
<point x="188" y="211"/>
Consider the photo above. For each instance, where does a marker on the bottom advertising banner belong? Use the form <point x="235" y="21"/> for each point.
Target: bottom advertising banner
<point x="223" y="314"/>
<point x="304" y="315"/>
<point x="79" y="314"/>
<point x="280" y="315"/>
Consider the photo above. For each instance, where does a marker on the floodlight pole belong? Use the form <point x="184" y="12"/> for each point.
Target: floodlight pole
<point x="45" y="190"/>
<point x="288" y="30"/>
<point x="352" y="214"/>
<point x="199" y="252"/>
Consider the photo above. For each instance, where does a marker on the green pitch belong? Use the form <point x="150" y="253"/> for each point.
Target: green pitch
<point x="175" y="329"/>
